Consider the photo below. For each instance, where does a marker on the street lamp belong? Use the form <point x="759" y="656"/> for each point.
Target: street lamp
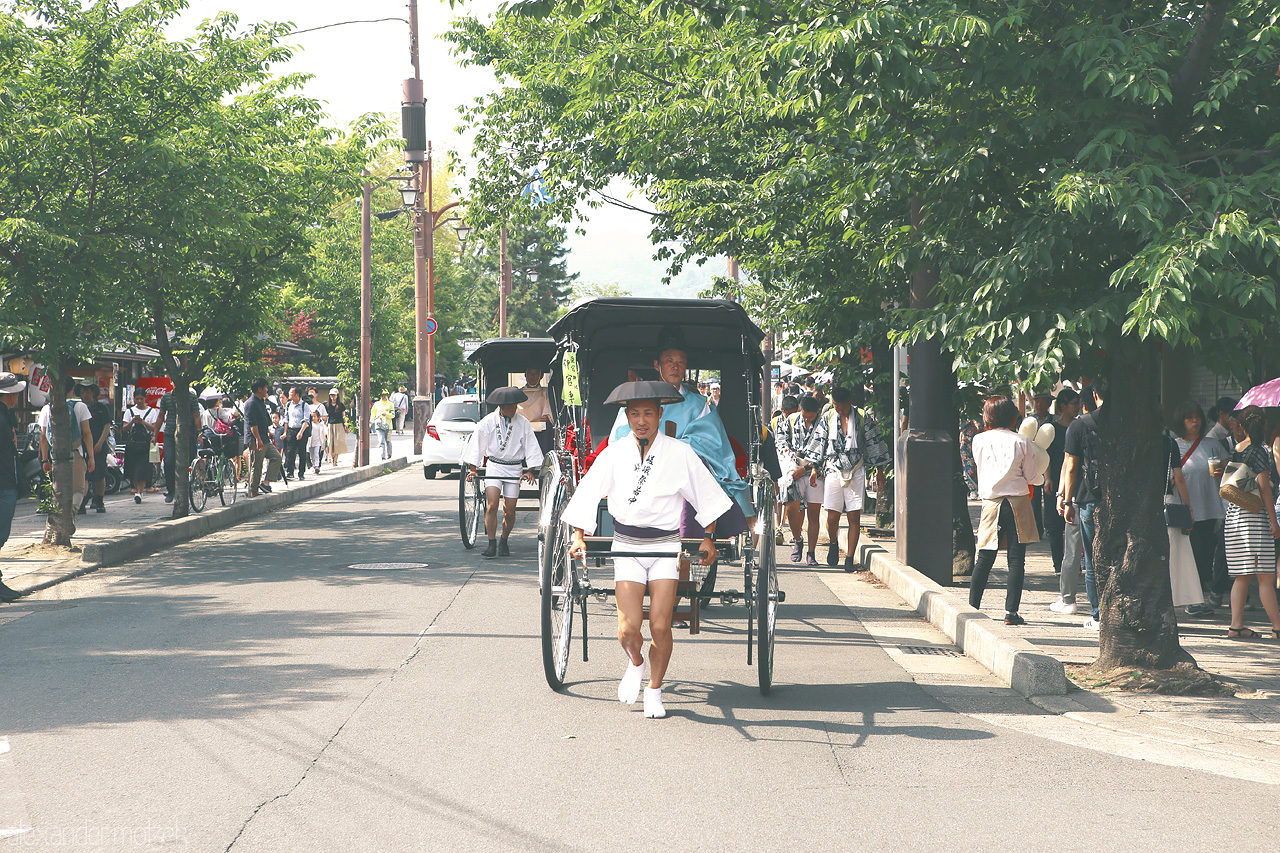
<point x="464" y="231"/>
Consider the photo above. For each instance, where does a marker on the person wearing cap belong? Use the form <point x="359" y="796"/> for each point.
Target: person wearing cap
<point x="506" y="438"/>
<point x="648" y="479"/>
<point x="698" y="425"/>
<point x="713" y="397"/>
<point x="11" y="388"/>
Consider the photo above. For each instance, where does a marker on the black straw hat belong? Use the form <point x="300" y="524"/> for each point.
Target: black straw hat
<point x="662" y="392"/>
<point x="506" y="396"/>
<point x="671" y="337"/>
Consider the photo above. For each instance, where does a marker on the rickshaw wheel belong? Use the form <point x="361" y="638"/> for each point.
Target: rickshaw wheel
<point x="766" y="604"/>
<point x="557" y="603"/>
<point x="471" y="507"/>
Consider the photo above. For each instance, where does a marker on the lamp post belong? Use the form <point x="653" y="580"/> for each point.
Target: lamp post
<point x="417" y="196"/>
<point x="366" y="316"/>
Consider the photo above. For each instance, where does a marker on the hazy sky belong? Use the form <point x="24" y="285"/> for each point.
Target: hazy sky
<point x="358" y="68"/>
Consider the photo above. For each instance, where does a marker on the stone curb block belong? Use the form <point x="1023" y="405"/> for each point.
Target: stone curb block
<point x="1010" y="658"/>
<point x="164" y="534"/>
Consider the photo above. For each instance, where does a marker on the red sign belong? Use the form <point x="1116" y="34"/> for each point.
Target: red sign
<point x="156" y="387"/>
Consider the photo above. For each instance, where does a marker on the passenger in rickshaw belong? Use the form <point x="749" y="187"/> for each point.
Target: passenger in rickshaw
<point x="537" y="408"/>
<point x="699" y="426"/>
<point x="507" y="439"/>
<point x="649" y="480"/>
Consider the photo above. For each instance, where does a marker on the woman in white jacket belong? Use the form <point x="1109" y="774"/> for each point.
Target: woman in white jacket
<point x="1006" y="469"/>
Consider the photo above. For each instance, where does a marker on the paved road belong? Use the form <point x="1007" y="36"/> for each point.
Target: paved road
<point x="245" y="692"/>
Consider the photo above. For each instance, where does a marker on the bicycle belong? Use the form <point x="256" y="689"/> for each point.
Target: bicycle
<point x="213" y="473"/>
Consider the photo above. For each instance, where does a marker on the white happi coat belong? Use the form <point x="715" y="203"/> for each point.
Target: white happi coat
<point x="510" y="439"/>
<point x="649" y="493"/>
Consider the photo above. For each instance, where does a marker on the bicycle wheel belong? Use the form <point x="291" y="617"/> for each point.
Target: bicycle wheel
<point x="199" y="475"/>
<point x="230" y="483"/>
<point x="559" y="587"/>
<point x="766" y="604"/>
<point x="471" y="508"/>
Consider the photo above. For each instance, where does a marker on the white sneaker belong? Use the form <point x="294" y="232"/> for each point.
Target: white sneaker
<point x="1063" y="607"/>
<point x="1092" y="624"/>
<point x="629" y="686"/>
<point x="653" y="703"/>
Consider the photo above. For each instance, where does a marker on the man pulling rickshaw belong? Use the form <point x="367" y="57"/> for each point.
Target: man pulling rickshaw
<point x="506" y="438"/>
<point x="648" y="479"/>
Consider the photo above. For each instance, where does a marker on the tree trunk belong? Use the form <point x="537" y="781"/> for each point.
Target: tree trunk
<point x="883" y="388"/>
<point x="1131" y="552"/>
<point x="963" y="541"/>
<point x="182" y="444"/>
<point x="60" y="522"/>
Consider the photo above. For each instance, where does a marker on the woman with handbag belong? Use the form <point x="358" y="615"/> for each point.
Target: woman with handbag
<point x="1006" y="464"/>
<point x="1179" y="521"/>
<point x="1251" y="527"/>
<point x="1201" y="455"/>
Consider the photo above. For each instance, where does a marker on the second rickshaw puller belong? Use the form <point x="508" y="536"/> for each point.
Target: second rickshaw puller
<point x="505" y="438"/>
<point x="647" y="478"/>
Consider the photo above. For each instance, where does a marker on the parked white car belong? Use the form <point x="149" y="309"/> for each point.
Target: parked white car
<point x="451" y="426"/>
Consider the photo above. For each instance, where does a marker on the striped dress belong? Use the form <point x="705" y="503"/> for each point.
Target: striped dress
<point x="1250" y="548"/>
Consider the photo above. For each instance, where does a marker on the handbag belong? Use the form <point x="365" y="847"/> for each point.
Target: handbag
<point x="1240" y="487"/>
<point x="1176" y="515"/>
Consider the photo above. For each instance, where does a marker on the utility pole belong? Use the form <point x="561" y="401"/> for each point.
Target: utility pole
<point x="418" y="153"/>
<point x="366" y="316"/>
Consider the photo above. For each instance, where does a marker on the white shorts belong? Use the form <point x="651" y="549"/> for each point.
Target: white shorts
<point x="644" y="569"/>
<point x="801" y="490"/>
<point x="509" y="485"/>
<point x="837" y="498"/>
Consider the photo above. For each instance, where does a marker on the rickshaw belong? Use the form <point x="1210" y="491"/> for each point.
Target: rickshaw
<point x="598" y="342"/>
<point x="498" y="359"/>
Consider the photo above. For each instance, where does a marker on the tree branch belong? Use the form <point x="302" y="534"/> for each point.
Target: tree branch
<point x="1186" y="80"/>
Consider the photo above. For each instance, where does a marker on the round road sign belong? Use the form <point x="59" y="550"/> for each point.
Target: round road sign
<point x="432" y="325"/>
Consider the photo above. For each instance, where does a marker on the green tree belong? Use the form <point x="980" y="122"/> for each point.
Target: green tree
<point x="1069" y="177"/>
<point x="77" y="176"/>
<point x="251" y="170"/>
<point x="541" y="285"/>
<point x="328" y="291"/>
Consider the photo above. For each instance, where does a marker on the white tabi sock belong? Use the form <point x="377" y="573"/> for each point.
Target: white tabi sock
<point x="653" y="703"/>
<point x="629" y="686"/>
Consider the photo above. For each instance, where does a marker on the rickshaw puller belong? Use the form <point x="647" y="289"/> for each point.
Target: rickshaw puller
<point x="699" y="426"/>
<point x="647" y="479"/>
<point x="508" y="440"/>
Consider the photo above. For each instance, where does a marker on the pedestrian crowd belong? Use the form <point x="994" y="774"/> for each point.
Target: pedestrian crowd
<point x="824" y="448"/>
<point x="1038" y="474"/>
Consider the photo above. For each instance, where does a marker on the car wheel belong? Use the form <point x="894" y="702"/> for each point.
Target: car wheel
<point x="429" y="472"/>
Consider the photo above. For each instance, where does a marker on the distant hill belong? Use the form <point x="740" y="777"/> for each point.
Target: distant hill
<point x="625" y="259"/>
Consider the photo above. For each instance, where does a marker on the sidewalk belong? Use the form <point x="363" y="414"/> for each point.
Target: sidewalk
<point x="1244" y="728"/>
<point x="28" y="564"/>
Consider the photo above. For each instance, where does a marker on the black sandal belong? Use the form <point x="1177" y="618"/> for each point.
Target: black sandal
<point x="1243" y="634"/>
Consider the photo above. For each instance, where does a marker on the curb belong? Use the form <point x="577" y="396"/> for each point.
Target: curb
<point x="1011" y="659"/>
<point x="156" y="537"/>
